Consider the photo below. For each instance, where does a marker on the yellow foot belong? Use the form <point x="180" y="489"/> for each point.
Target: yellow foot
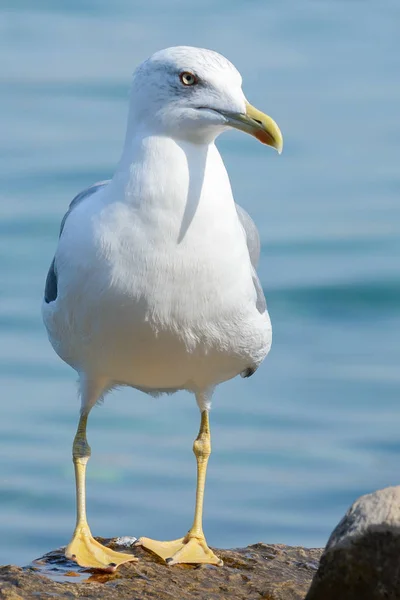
<point x="88" y="552"/>
<point x="185" y="550"/>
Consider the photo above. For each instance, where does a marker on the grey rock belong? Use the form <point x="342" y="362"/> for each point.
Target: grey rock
<point x="361" y="560"/>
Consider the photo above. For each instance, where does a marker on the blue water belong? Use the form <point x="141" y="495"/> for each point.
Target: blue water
<point x="319" y="424"/>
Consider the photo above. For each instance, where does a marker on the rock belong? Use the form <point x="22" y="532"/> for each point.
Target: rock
<point x="361" y="560"/>
<point x="261" y="571"/>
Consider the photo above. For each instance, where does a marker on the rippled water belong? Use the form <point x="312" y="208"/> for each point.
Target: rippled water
<point x="319" y="423"/>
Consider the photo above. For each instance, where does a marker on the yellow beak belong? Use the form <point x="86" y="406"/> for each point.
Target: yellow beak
<point x="258" y="124"/>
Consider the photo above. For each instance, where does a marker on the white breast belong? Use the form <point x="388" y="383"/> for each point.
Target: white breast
<point x="155" y="281"/>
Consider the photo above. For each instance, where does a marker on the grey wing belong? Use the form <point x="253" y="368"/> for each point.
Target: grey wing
<point x="252" y="236"/>
<point x="253" y="245"/>
<point x="50" y="290"/>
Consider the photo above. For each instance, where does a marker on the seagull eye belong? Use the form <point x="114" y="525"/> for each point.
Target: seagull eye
<point x="188" y="78"/>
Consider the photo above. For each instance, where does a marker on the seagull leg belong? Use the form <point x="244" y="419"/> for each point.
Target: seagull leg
<point x="83" y="548"/>
<point x="193" y="547"/>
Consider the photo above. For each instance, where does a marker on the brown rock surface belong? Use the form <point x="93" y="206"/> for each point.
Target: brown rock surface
<point x="260" y="571"/>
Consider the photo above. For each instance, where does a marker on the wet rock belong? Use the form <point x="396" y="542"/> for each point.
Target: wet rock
<point x="260" y="571"/>
<point x="361" y="560"/>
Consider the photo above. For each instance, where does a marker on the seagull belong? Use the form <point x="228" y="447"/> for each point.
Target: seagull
<point x="153" y="284"/>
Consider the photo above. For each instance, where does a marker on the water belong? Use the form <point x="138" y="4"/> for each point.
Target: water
<point x="319" y="423"/>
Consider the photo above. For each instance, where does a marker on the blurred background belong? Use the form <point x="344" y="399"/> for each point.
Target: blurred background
<point x="319" y="424"/>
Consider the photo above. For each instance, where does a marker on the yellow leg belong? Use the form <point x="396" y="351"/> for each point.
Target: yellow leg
<point x="83" y="548"/>
<point x="193" y="547"/>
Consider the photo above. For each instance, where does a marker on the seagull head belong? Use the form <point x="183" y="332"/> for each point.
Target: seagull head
<point x="194" y="94"/>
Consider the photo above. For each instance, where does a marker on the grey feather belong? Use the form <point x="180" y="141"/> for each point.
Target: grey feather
<point x="86" y="193"/>
<point x="50" y="290"/>
<point x="252" y="236"/>
<point x="254" y="246"/>
<point x="261" y="302"/>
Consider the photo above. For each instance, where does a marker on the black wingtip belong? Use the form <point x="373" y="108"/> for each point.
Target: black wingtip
<point x="248" y="372"/>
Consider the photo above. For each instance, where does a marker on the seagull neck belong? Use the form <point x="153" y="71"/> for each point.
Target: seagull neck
<point x="174" y="174"/>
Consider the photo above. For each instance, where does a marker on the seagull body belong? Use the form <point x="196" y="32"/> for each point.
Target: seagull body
<point x="153" y="284"/>
<point x="136" y="305"/>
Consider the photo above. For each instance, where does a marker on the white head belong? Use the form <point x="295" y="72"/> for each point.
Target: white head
<point x="194" y="94"/>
